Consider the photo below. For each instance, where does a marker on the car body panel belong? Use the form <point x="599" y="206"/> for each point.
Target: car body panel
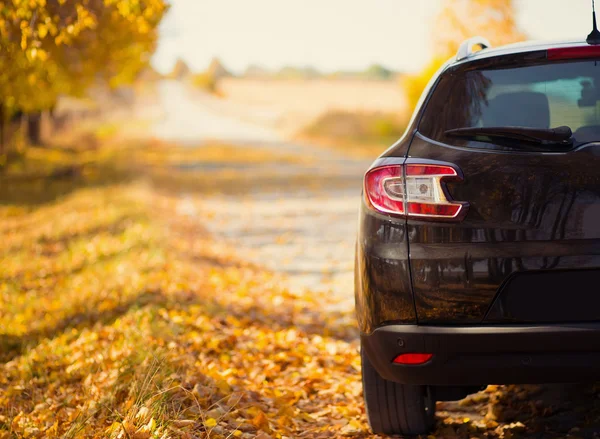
<point x="492" y="354"/>
<point x="528" y="211"/>
<point x="383" y="290"/>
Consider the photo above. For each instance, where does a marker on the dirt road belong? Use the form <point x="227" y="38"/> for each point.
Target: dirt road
<point x="306" y="233"/>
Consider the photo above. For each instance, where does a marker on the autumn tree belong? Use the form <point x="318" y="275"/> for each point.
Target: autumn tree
<point x="217" y="69"/>
<point x="180" y="70"/>
<point x="50" y="48"/>
<point x="458" y="20"/>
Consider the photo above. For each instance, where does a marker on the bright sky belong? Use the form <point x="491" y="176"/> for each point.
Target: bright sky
<point x="331" y="34"/>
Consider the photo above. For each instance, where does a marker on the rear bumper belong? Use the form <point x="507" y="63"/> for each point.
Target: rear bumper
<point x="515" y="354"/>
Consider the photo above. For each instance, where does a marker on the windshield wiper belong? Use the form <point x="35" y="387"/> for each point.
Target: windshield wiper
<point x="562" y="136"/>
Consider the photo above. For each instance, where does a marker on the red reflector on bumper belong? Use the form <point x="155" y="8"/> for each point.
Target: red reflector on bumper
<point x="412" y="358"/>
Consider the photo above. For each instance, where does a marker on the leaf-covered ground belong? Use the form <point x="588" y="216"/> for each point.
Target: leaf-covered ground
<point x="121" y="318"/>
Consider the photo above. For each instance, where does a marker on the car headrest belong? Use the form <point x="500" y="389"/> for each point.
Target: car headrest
<point x="588" y="133"/>
<point x="524" y="109"/>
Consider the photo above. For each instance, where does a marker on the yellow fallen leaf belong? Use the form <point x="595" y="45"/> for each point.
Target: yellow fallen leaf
<point x="142" y="433"/>
<point x="143" y="414"/>
<point x="223" y="386"/>
<point x="128" y="427"/>
<point x="52" y="431"/>
<point x="181" y="423"/>
<point x="151" y="424"/>
<point x="261" y="422"/>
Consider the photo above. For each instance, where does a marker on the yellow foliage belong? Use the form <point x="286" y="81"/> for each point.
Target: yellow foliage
<point x="462" y="19"/>
<point x="414" y="85"/>
<point x="53" y="48"/>
<point x="457" y="21"/>
<point x="205" y="81"/>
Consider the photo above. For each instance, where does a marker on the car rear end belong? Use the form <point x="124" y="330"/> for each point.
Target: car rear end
<point x="478" y="256"/>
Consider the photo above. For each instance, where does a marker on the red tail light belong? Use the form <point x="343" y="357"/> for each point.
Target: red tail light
<point x="577" y="52"/>
<point x="413" y="358"/>
<point x="413" y="190"/>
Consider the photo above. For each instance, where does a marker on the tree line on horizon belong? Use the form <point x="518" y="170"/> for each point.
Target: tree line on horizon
<point x="456" y="21"/>
<point x="217" y="69"/>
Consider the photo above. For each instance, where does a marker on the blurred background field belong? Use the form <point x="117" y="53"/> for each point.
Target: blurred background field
<point x="294" y="104"/>
<point x="332" y="85"/>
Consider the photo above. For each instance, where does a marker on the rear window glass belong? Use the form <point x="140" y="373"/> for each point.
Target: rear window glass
<point x="538" y="96"/>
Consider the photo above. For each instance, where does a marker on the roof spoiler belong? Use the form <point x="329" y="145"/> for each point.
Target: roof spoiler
<point x="466" y="48"/>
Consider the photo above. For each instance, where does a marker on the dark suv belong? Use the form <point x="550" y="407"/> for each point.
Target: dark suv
<point x="478" y="251"/>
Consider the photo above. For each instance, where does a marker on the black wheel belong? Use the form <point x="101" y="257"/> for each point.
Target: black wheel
<point x="394" y="408"/>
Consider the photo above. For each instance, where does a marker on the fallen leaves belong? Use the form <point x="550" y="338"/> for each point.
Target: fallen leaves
<point x="133" y="321"/>
<point x="121" y="318"/>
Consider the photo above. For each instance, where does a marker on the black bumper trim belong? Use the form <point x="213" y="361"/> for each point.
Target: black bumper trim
<point x="507" y="354"/>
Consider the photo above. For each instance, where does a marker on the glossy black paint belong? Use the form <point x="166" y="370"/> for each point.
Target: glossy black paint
<point x="528" y="211"/>
<point x="520" y="297"/>
<point x="382" y="276"/>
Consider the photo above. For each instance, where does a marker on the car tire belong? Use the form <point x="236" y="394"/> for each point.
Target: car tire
<point x="394" y="408"/>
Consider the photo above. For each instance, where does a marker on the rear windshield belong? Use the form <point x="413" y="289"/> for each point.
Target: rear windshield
<point x="537" y="96"/>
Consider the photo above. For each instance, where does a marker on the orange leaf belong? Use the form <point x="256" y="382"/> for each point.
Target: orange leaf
<point x="261" y="422"/>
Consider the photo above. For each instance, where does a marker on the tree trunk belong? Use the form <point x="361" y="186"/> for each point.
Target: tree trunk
<point x="50" y="120"/>
<point x="34" y="128"/>
<point x="2" y="126"/>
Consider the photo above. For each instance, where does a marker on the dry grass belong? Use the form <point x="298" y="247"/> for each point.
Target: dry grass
<point x="205" y="81"/>
<point x="361" y="134"/>
<point x="293" y="104"/>
<point x="160" y="154"/>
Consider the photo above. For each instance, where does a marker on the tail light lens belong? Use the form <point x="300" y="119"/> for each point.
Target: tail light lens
<point x="413" y="190"/>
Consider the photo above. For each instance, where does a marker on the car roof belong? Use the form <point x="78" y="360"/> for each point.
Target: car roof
<point x="522" y="47"/>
